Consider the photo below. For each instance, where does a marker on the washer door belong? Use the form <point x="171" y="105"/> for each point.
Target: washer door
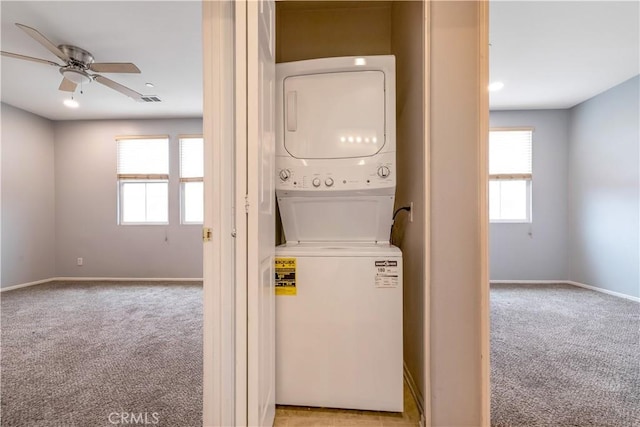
<point x="334" y="115"/>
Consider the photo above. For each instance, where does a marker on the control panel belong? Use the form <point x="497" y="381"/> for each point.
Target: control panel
<point x="347" y="174"/>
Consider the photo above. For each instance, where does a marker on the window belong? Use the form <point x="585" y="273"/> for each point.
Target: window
<point x="510" y="175"/>
<point x="191" y="179"/>
<point x="143" y="180"/>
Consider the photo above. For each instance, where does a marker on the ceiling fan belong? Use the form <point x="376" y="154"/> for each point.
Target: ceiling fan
<point x="77" y="65"/>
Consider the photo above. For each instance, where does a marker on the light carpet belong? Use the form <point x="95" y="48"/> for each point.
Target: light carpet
<point x="563" y="356"/>
<point x="88" y="354"/>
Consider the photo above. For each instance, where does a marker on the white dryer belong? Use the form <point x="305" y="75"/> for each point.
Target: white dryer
<point x="338" y="280"/>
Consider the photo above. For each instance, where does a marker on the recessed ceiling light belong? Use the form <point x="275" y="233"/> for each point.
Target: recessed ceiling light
<point x="495" y="86"/>
<point x="148" y="84"/>
<point x="71" y="103"/>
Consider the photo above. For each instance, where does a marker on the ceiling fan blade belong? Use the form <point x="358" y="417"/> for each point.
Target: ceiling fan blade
<point x="67" y="85"/>
<point x="28" y="58"/>
<point x="44" y="41"/>
<point x="118" y="87"/>
<point x="114" y="67"/>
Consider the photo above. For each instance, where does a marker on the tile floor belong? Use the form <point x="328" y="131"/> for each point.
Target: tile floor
<point x="300" y="416"/>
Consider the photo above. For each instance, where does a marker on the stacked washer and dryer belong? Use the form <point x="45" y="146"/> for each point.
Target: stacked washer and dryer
<point x="339" y="285"/>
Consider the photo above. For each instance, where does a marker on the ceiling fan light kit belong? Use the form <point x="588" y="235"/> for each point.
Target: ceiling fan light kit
<point x="76" y="76"/>
<point x="77" y="64"/>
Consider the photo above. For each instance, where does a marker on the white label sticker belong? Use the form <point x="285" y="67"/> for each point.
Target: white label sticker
<point x="386" y="274"/>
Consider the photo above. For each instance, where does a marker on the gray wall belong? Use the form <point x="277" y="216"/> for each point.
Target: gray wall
<point x="456" y="246"/>
<point x="537" y="250"/>
<point x="86" y="206"/>
<point x="604" y="189"/>
<point x="586" y="209"/>
<point x="28" y="203"/>
<point x="59" y="203"/>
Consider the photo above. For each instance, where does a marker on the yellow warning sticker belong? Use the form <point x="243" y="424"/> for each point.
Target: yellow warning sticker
<point x="285" y="276"/>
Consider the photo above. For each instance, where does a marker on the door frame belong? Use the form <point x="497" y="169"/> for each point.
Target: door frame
<point x="220" y="384"/>
<point x="483" y="208"/>
<point x="226" y="392"/>
<point x="241" y="250"/>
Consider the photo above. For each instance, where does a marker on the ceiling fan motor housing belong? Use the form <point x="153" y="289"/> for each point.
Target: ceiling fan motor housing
<point x="78" y="57"/>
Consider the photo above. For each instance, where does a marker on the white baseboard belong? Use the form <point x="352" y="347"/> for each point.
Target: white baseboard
<point x="417" y="397"/>
<point x="526" y="282"/>
<point x="570" y="282"/>
<point x="128" y="279"/>
<point x="109" y="279"/>
<point x="24" y="285"/>
<point x="604" y="291"/>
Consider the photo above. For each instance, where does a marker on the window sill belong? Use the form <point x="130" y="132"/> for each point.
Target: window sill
<point x="143" y="223"/>
<point x="506" y="221"/>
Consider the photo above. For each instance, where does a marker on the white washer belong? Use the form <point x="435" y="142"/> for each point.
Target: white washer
<point x="338" y="280"/>
<point x="339" y="338"/>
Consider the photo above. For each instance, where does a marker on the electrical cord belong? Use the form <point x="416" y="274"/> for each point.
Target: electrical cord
<point x="393" y="220"/>
<point x="404" y="208"/>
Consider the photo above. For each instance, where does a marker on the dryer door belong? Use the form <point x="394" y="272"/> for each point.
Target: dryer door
<point x="334" y="115"/>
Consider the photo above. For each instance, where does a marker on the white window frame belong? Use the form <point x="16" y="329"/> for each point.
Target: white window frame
<point x="124" y="179"/>
<point x="184" y="181"/>
<point x="527" y="177"/>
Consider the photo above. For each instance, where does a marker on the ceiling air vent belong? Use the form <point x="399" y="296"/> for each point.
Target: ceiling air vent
<point x="151" y="98"/>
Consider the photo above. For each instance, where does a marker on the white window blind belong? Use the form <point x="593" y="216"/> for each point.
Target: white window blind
<point x="143" y="158"/>
<point x="191" y="158"/>
<point x="510" y="154"/>
<point x="191" y="180"/>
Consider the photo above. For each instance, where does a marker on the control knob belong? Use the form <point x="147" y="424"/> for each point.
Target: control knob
<point x="285" y="174"/>
<point x="316" y="182"/>
<point x="383" y="172"/>
<point x="328" y="182"/>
